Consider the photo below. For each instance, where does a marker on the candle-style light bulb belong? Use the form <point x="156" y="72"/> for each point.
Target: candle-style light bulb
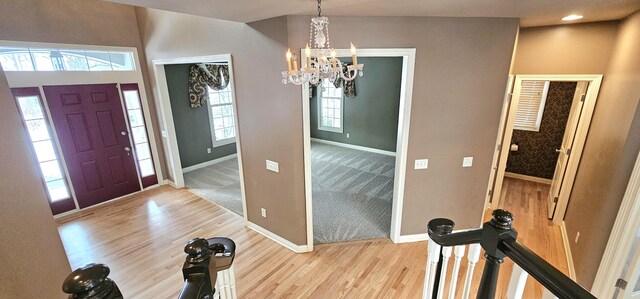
<point x="333" y="53"/>
<point x="307" y="52"/>
<point x="288" y="55"/>
<point x="354" y="58"/>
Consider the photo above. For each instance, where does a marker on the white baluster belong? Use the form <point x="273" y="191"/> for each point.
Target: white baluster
<point x="446" y="254"/>
<point x="232" y="276"/>
<point x="227" y="290"/>
<point x="433" y="255"/>
<point x="517" y="283"/>
<point x="473" y="257"/>
<point x="458" y="252"/>
<point x="546" y="294"/>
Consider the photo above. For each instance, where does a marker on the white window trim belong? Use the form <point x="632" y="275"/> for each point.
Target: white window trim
<point x="543" y="101"/>
<point x="325" y="128"/>
<point x="219" y="143"/>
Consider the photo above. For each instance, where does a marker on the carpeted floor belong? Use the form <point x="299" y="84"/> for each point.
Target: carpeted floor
<point x="352" y="194"/>
<point x="218" y="182"/>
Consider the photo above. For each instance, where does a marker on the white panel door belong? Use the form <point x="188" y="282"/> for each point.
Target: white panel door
<point x="565" y="148"/>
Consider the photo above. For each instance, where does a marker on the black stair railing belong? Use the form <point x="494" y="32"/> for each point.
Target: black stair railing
<point x="199" y="272"/>
<point x="498" y="238"/>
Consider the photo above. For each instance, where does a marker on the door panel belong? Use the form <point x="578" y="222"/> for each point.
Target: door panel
<point x="93" y="135"/>
<point x="565" y="148"/>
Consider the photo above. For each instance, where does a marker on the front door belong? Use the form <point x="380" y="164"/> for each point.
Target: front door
<point x="565" y="148"/>
<point x="93" y="135"/>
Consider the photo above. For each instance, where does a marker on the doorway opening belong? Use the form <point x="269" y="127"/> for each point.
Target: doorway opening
<point x="354" y="128"/>
<point x="544" y="127"/>
<point x="353" y="178"/>
<point x="199" y="111"/>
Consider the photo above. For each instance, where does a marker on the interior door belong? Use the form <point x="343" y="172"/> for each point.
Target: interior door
<point x="93" y="135"/>
<point x="565" y="148"/>
<point x="632" y="273"/>
<point x="493" y="181"/>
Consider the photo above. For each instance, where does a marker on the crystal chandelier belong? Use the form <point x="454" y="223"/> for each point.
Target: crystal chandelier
<point x="321" y="62"/>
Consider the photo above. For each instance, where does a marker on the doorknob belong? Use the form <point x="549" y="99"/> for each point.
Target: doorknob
<point x="123" y="133"/>
<point x="558" y="151"/>
<point x="128" y="150"/>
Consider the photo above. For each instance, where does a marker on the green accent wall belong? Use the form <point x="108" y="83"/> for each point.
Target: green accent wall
<point x="192" y="124"/>
<point x="371" y="117"/>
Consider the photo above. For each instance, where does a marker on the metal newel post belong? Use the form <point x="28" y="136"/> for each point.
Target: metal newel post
<point x="493" y="233"/>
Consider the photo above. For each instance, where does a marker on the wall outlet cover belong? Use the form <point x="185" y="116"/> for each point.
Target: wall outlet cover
<point x="208" y="150"/>
<point x="347" y="135"/>
<point x="421" y="164"/>
<point x="263" y="212"/>
<point x="467" y="162"/>
<point x="273" y="166"/>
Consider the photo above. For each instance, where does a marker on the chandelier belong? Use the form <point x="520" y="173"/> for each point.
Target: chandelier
<point x="321" y="61"/>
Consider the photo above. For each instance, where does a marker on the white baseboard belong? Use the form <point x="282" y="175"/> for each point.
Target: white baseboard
<point x="208" y="163"/>
<point x="527" y="178"/>
<point x="355" y="147"/>
<point x="413" y="238"/>
<point x="567" y="249"/>
<point x="280" y="240"/>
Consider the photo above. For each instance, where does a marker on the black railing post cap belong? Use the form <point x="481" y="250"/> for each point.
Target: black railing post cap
<point x="441" y="226"/>
<point x="502" y="219"/>
<point x="85" y="278"/>
<point x="197" y="250"/>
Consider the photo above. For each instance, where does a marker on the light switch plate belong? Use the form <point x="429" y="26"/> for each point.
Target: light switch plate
<point x="421" y="164"/>
<point x="208" y="150"/>
<point x="273" y="166"/>
<point x="467" y="162"/>
<point x="165" y="134"/>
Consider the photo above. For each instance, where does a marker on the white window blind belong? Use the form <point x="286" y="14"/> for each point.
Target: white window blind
<point x="533" y="95"/>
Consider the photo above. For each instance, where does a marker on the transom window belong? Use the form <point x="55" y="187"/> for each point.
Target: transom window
<point x="55" y="59"/>
<point x="221" y="117"/>
<point x="330" y="107"/>
<point x="42" y="144"/>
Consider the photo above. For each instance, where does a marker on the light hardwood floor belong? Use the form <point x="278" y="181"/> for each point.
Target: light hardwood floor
<point x="142" y="238"/>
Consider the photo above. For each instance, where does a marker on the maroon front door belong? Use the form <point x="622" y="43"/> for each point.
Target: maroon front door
<point x="94" y="139"/>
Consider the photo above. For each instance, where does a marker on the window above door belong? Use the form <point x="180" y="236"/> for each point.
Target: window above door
<point x="37" y="59"/>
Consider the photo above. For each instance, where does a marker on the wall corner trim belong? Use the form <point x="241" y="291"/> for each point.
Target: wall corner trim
<point x="208" y="163"/>
<point x="280" y="240"/>
<point x="567" y="250"/>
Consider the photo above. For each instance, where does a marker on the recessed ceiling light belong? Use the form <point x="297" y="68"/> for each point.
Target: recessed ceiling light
<point x="572" y="18"/>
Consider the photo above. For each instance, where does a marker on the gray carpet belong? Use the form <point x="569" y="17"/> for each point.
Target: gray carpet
<point x="352" y="194"/>
<point x="218" y="182"/>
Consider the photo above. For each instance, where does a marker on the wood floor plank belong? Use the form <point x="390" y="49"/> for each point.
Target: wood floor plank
<point x="142" y="240"/>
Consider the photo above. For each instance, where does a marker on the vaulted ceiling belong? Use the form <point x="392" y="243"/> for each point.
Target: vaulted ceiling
<point x="531" y="12"/>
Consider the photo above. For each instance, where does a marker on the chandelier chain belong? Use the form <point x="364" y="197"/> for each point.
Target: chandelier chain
<point x="319" y="7"/>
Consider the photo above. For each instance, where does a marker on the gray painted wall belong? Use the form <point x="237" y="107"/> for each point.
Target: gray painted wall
<point x="371" y="117"/>
<point x="192" y="124"/>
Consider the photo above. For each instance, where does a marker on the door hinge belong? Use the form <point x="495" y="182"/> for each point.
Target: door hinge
<point x="490" y="192"/>
<point x="621" y="284"/>
<point x="555" y="199"/>
<point x="583" y="97"/>
<point x="568" y="152"/>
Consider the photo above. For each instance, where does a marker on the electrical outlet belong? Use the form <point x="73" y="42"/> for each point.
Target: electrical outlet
<point x="263" y="212"/>
<point x="347" y="135"/>
<point x="208" y="150"/>
<point x="467" y="162"/>
<point x="421" y="164"/>
<point x="577" y="237"/>
<point x="273" y="166"/>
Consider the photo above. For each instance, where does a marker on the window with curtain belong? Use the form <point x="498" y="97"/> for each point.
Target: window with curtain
<point x="221" y="116"/>
<point x="533" y="95"/>
<point x="330" y="107"/>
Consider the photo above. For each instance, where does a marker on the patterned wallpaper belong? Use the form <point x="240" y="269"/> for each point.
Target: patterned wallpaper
<point x="536" y="155"/>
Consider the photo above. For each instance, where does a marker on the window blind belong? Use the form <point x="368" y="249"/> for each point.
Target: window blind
<point x="532" y="97"/>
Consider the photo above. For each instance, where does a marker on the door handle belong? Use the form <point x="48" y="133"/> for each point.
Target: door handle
<point x="123" y="133"/>
<point x="128" y="150"/>
<point x="558" y="151"/>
